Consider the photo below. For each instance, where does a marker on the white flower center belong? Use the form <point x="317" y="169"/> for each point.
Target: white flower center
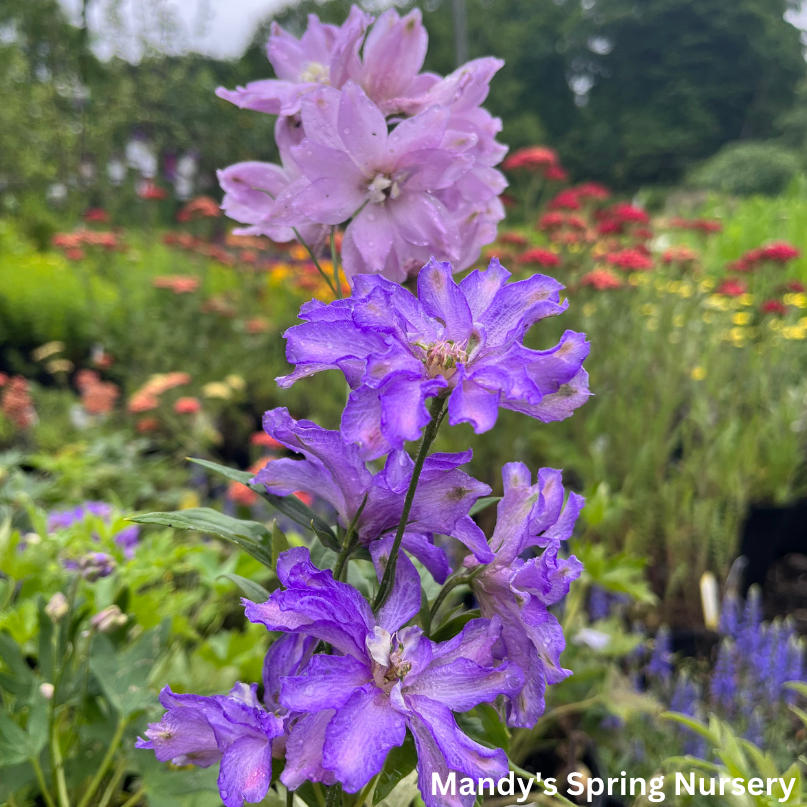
<point x="442" y="358"/>
<point x="382" y="188"/>
<point x="316" y="73"/>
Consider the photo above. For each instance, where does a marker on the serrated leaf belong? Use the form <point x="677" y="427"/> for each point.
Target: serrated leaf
<point x="250" y="536"/>
<point x="482" y="504"/>
<point x="290" y="506"/>
<point x="123" y="675"/>
<point x="254" y="591"/>
<point x="15" y="746"/>
<point x="400" y="763"/>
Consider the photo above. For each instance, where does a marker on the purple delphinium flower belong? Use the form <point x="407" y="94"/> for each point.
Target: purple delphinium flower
<point x="325" y="54"/>
<point x="383" y="182"/>
<point x="519" y="592"/>
<point x="685" y="696"/>
<point x="92" y="566"/>
<point x="236" y="730"/>
<point x="62" y="519"/>
<point x="334" y="471"/>
<point x="755" y="731"/>
<point x="660" y="665"/>
<point x="723" y="686"/>
<point x="127" y="539"/>
<point x="387" y="679"/>
<point x="250" y="190"/>
<point x="463" y="341"/>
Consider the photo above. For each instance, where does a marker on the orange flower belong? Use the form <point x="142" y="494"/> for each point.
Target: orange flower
<point x="187" y="406"/>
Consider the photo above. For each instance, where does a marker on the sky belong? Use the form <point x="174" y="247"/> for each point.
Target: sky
<point x="217" y="28"/>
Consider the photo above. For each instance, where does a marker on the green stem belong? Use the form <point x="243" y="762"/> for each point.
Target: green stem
<point x="316" y="262"/>
<point x="335" y="262"/>
<point x="58" y="767"/>
<point x="105" y="763"/>
<point x="367" y="791"/>
<point x="289" y="798"/>
<point x="134" y="798"/>
<point x="113" y="784"/>
<point x="318" y="793"/>
<point x="40" y="778"/>
<point x="450" y="585"/>
<point x="349" y="544"/>
<point x="334" y="797"/>
<point x="425" y="444"/>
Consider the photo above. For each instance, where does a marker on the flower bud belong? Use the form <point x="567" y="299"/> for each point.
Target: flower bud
<point x="46" y="691"/>
<point x="57" y="608"/>
<point x="109" y="620"/>
<point x="95" y="565"/>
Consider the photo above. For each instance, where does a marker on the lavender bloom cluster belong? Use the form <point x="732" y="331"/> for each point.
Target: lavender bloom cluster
<point x="406" y="159"/>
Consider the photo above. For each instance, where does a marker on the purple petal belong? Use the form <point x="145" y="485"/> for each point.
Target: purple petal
<point x="327" y="682"/>
<point x="422" y="220"/>
<point x="246" y="771"/>
<point x="286" y="656"/>
<point x="359" y="737"/>
<point x="557" y="406"/>
<point x="475" y="642"/>
<point x="319" y="112"/>
<point x="469" y="533"/>
<point x="472" y="403"/>
<point x="442" y="299"/>
<point x="462" y="684"/>
<point x="362" y="128"/>
<point x="185" y="735"/>
<point x="432" y="557"/>
<point x="403" y="408"/>
<point x="423" y="131"/>
<point x="404" y="600"/>
<point x="481" y="288"/>
<point x="372" y="232"/>
<point x="361" y="423"/>
<point x="304" y="751"/>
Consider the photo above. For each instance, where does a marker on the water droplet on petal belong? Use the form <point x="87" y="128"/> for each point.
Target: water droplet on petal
<point x="370" y="217"/>
<point x="346" y="131"/>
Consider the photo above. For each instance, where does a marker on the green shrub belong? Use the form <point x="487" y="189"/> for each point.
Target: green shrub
<point x="747" y="168"/>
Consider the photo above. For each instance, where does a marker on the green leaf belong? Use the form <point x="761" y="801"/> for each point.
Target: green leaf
<point x="482" y="504"/>
<point x="800" y="712"/>
<point x="279" y="543"/>
<point x="692" y="724"/>
<point x="250" y="536"/>
<point x="400" y="762"/>
<point x="123" y="675"/>
<point x="496" y="732"/>
<point x="15" y="745"/>
<point x="290" y="506"/>
<point x="253" y="590"/>
<point x="37" y="728"/>
<point x="20" y="680"/>
<point x="450" y="629"/>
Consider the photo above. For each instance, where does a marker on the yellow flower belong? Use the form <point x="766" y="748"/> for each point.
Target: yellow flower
<point x="236" y="382"/>
<point x="47" y="350"/>
<point x="737" y="334"/>
<point x="800" y="300"/>
<point x="188" y="500"/>
<point x="707" y="284"/>
<point x="648" y="309"/>
<point x="679" y="320"/>
<point x="746" y="299"/>
<point x="802" y="323"/>
<point x="794" y="332"/>
<point x="674" y="286"/>
<point x="698" y="373"/>
<point x="741" y="318"/>
<point x="686" y="290"/>
<point x="717" y="302"/>
<point x="589" y="309"/>
<point x="638" y="279"/>
<point x="652" y="325"/>
<point x="217" y="389"/>
<point x="59" y="366"/>
<point x="298" y="253"/>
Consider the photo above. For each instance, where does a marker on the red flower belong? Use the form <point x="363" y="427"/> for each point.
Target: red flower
<point x="187" y="406"/>
<point x="143" y="402"/>
<point x="773" y="307"/>
<point x="531" y="158"/>
<point x="556" y="174"/>
<point x="643" y="233"/>
<point x="632" y="260"/>
<point x="74" y="253"/>
<point x="541" y="257"/>
<point x="794" y="286"/>
<point x="601" y="279"/>
<point x="152" y="192"/>
<point x="679" y="254"/>
<point x="257" y="325"/>
<point x="743" y="264"/>
<point x="96" y="216"/>
<point x="610" y="227"/>
<point x="146" y="425"/>
<point x="551" y="221"/>
<point x="513" y="238"/>
<point x="199" y="208"/>
<point x="179" y="284"/>
<point x="263" y="440"/>
<point x="777" y="252"/>
<point x="565" y="200"/>
<point x="732" y="288"/>
<point x="99" y="398"/>
<point x="627" y="213"/>
<point x="591" y="190"/>
<point x="16" y="404"/>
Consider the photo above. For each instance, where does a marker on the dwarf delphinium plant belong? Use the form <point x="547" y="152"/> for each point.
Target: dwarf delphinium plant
<point x="401" y="160"/>
<point x="375" y="653"/>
